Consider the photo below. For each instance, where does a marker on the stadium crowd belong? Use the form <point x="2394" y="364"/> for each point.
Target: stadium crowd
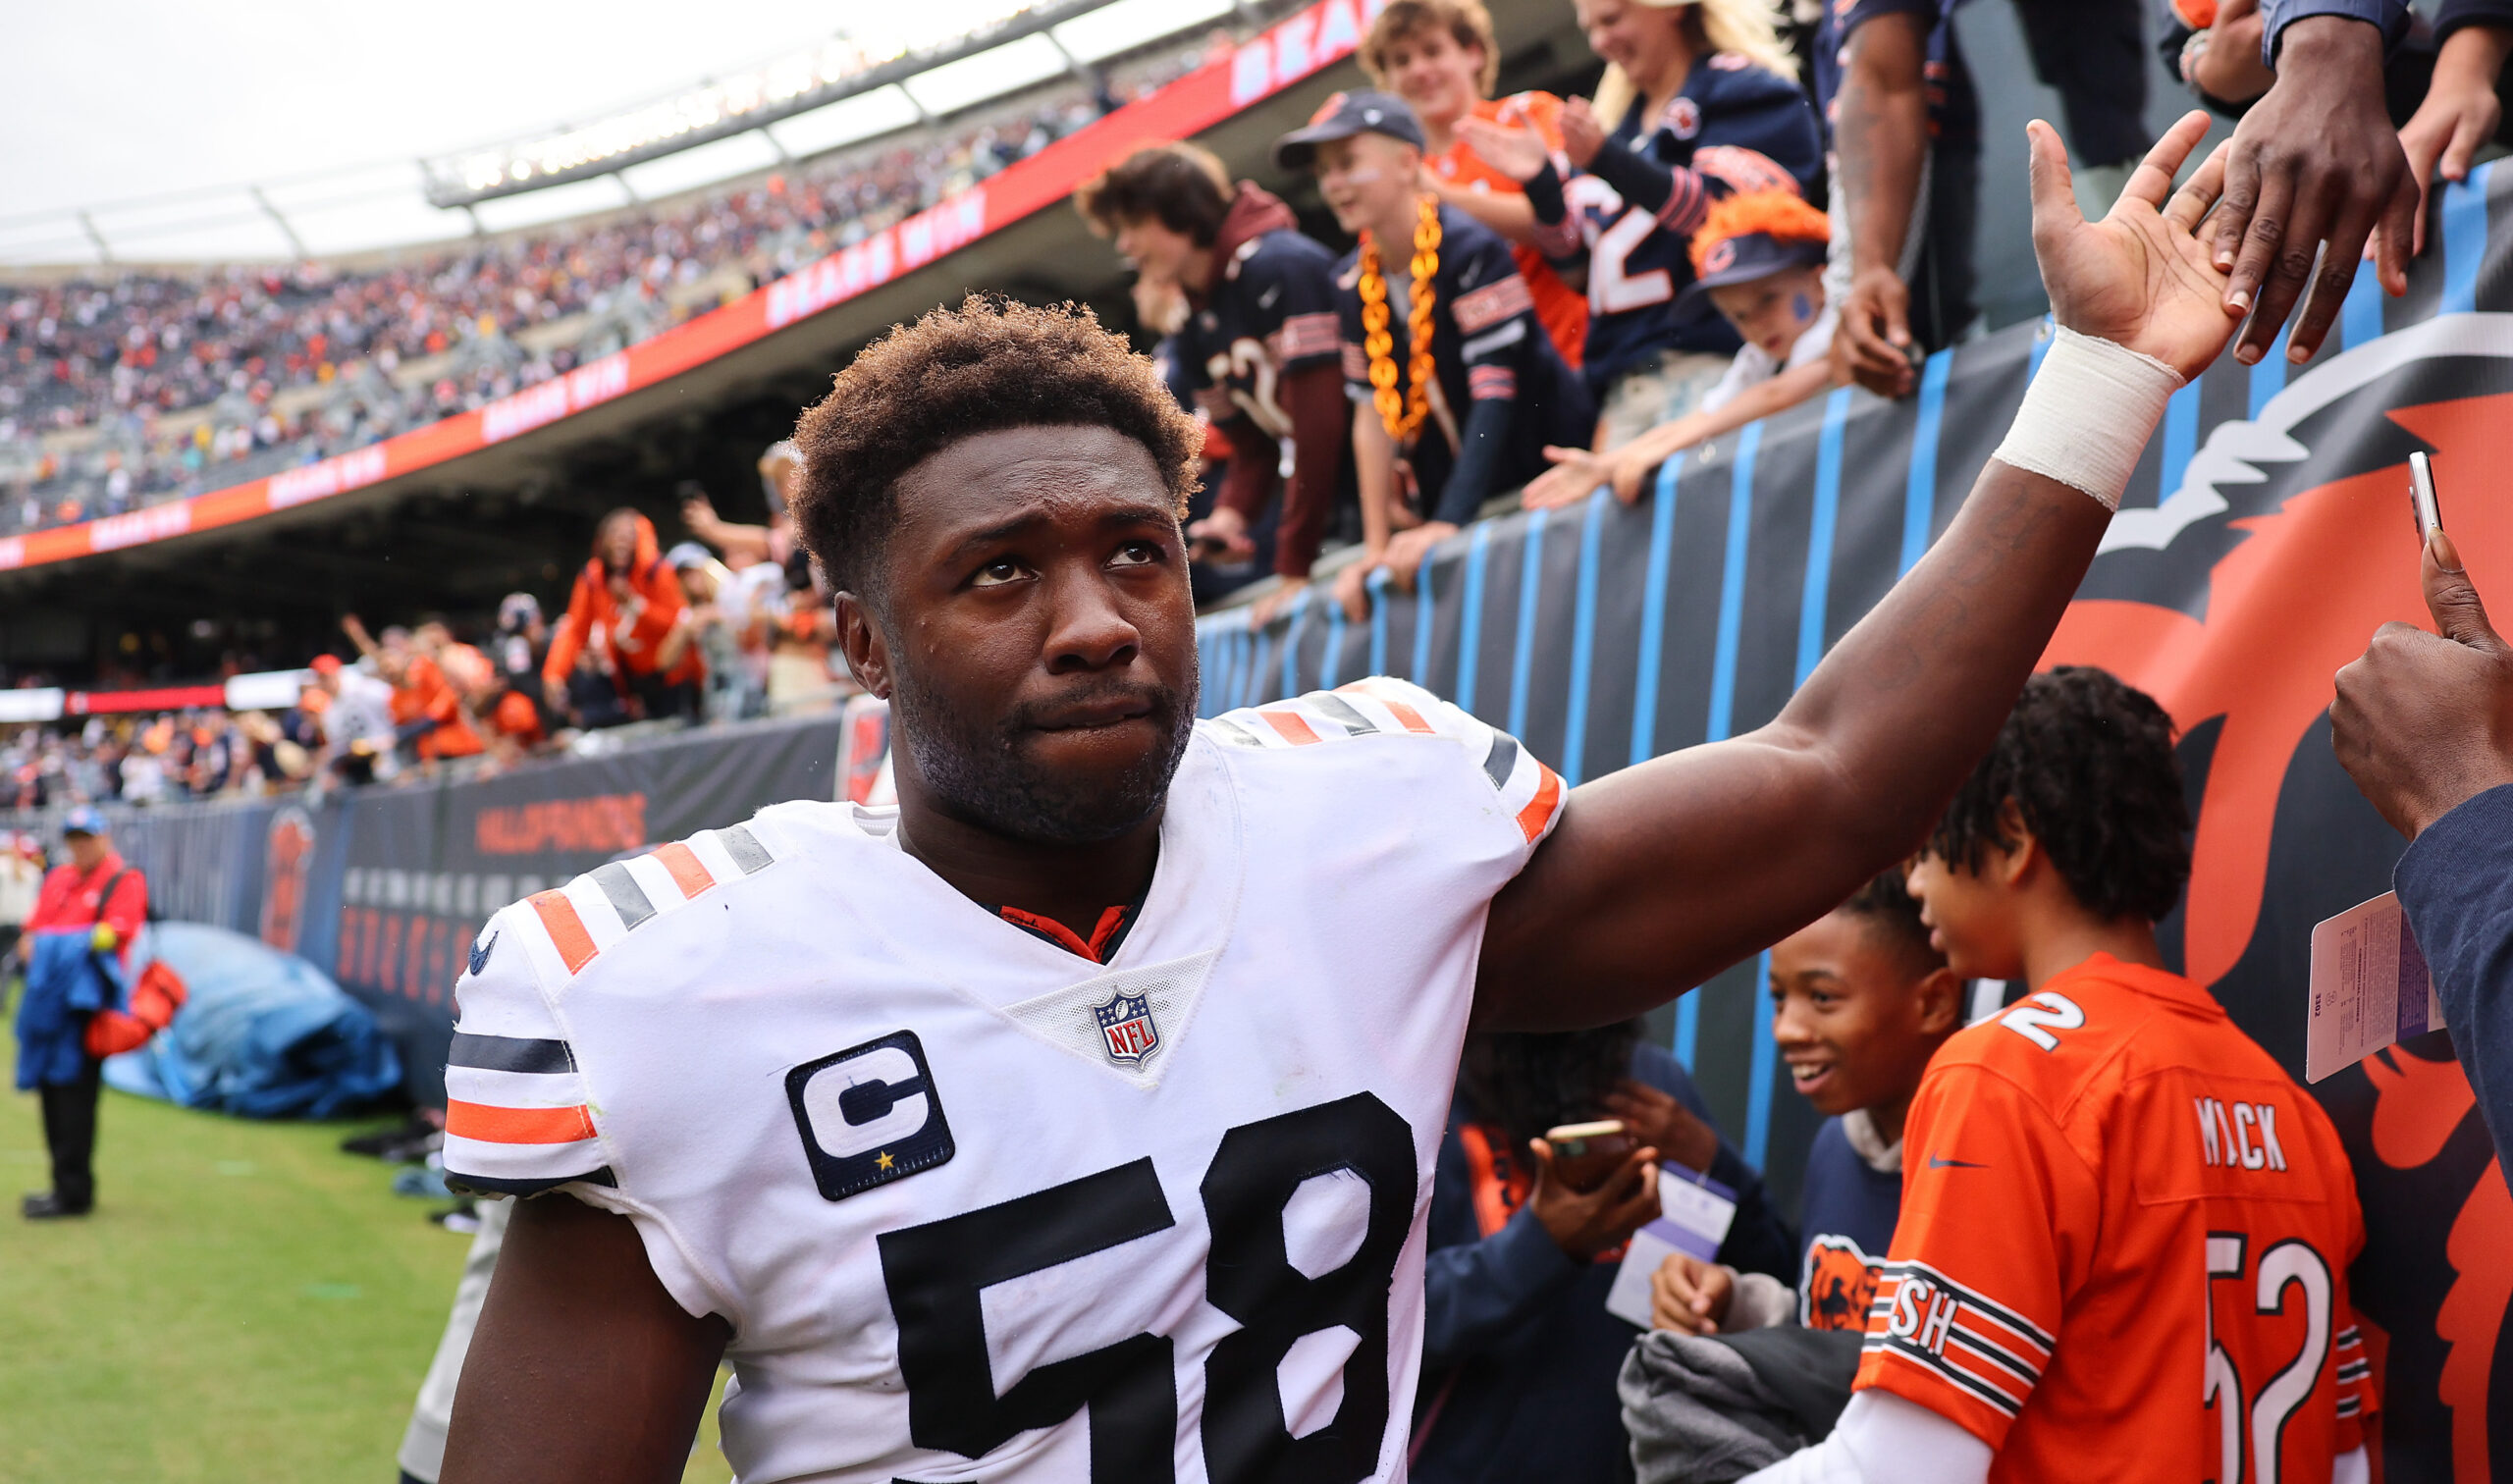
<point x="1551" y="296"/>
<point x="723" y="629"/>
<point x="122" y="390"/>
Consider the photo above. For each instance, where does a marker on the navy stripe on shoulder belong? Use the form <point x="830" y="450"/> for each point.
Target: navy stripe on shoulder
<point x="509" y="1053"/>
<point x="1502" y="760"/>
<point x="1342" y="712"/>
<point x="744" y="848"/>
<point x="485" y="1185"/>
<point x="627" y="898"/>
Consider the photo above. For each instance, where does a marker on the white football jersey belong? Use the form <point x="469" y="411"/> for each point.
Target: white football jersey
<point x="978" y="1209"/>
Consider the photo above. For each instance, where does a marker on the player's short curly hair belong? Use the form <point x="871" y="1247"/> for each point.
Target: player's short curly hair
<point x="1183" y="187"/>
<point x="987" y="365"/>
<point x="1782" y="214"/>
<point x="1885" y="905"/>
<point x="2089" y="763"/>
<point x="1466" y="21"/>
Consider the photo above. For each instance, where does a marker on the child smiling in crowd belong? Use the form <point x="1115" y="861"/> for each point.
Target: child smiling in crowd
<point x="1759" y="257"/>
<point x="1859" y="1004"/>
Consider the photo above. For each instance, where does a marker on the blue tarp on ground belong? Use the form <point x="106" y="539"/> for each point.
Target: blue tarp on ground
<point x="264" y="1034"/>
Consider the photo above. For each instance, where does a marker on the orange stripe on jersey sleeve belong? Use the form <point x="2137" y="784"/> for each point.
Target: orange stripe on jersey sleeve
<point x="567" y="929"/>
<point x="516" y="1126"/>
<point x="688" y="872"/>
<point x="1290" y="727"/>
<point x="1539" y="810"/>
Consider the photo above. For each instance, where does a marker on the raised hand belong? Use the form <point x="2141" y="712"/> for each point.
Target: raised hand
<point x="1583" y="131"/>
<point x="2315" y="158"/>
<point x="1515" y="151"/>
<point x="2140" y="276"/>
<point x="1573" y="477"/>
<point x="2459" y="115"/>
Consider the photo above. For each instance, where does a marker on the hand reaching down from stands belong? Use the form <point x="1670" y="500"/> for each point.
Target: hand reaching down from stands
<point x="1221" y="536"/>
<point x="1668" y="871"/>
<point x="1268" y="607"/>
<point x="1407" y="550"/>
<point x="2315" y="159"/>
<point x="1576" y="473"/>
<point x="1584" y="1223"/>
<point x="2227" y="64"/>
<point x="1690" y="1295"/>
<point x="2458" y="118"/>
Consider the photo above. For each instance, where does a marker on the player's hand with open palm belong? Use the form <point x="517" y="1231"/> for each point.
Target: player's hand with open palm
<point x="2138" y="277"/>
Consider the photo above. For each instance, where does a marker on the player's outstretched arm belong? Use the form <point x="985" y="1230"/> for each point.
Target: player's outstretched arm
<point x="583" y="1369"/>
<point x="1662" y="875"/>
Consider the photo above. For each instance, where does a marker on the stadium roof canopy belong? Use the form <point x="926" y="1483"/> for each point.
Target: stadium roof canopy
<point x="118" y="179"/>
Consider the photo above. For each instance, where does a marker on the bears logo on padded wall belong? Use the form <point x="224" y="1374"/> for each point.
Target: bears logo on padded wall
<point x="2234" y="601"/>
<point x="286" y="854"/>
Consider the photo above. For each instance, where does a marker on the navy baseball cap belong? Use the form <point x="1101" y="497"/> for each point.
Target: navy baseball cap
<point x="1743" y="258"/>
<point x="1343" y="116"/>
<point x="85" y="819"/>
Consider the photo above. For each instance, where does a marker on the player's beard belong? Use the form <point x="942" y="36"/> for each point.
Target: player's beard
<point x="985" y="771"/>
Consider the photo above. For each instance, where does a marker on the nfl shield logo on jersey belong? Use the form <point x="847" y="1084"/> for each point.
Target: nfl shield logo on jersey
<point x="1126" y="1031"/>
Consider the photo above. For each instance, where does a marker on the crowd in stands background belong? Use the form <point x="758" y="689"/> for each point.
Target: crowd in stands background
<point x="120" y="390"/>
<point x="649" y="635"/>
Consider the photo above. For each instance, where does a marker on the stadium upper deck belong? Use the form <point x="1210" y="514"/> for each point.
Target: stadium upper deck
<point x="121" y="391"/>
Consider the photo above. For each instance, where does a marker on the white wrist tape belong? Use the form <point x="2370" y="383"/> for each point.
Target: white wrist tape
<point x="2088" y="415"/>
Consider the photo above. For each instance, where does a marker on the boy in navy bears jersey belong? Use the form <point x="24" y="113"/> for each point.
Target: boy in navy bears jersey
<point x="1498" y="393"/>
<point x="1259" y="345"/>
<point x="1859" y="1004"/>
<point x="815" y="1107"/>
<point x="1698" y="100"/>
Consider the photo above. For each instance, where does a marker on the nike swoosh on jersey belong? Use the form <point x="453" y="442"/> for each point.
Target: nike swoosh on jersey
<point x="480" y="953"/>
<point x="1938" y="1162"/>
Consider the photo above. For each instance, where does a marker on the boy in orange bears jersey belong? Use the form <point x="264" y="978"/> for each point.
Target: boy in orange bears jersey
<point x="1440" y="56"/>
<point x="2125" y="1231"/>
<point x="1859" y="1003"/>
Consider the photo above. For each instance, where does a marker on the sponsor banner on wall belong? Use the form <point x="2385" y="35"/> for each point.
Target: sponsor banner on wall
<point x="387" y="888"/>
<point x="2265" y="535"/>
<point x="1292" y="50"/>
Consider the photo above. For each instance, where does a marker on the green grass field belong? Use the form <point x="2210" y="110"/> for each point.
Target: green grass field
<point x="248" y="1303"/>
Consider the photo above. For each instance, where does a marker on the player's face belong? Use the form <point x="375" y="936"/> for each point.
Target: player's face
<point x="1429" y="71"/>
<point x="1037" y="640"/>
<point x="1368" y="178"/>
<point x="1848" y="1016"/>
<point x="1772" y="311"/>
<point x="1969" y="914"/>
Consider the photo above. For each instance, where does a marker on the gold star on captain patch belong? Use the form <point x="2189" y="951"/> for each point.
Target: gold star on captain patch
<point x="885" y="1161"/>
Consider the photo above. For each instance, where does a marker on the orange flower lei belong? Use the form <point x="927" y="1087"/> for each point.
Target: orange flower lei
<point x="1402" y="415"/>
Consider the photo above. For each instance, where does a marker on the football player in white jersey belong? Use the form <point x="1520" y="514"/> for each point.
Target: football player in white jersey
<point x="1074" y="1119"/>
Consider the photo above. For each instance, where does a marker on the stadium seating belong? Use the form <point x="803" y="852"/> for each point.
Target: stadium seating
<point x="121" y="391"/>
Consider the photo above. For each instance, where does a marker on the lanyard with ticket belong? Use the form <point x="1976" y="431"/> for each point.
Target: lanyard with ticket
<point x="1695" y="1212"/>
